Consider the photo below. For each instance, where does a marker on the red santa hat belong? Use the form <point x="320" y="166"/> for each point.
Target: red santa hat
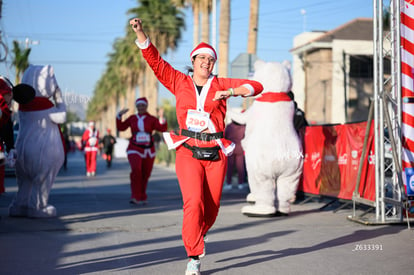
<point x="6" y="86"/>
<point x="204" y="48"/>
<point x="141" y="100"/>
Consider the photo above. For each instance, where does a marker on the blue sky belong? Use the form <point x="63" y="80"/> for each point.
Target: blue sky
<point x="76" y="36"/>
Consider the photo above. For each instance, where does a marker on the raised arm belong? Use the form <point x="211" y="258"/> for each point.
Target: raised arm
<point x="136" y="25"/>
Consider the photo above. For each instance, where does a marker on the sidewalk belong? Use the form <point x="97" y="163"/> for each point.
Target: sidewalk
<point x="97" y="231"/>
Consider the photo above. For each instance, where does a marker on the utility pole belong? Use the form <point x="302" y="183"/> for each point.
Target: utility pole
<point x="28" y="42"/>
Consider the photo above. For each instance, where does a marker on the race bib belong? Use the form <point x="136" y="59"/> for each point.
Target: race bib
<point x="197" y="121"/>
<point x="92" y="141"/>
<point x="143" y="138"/>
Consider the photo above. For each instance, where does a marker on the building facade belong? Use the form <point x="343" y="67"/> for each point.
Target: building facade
<point x="333" y="72"/>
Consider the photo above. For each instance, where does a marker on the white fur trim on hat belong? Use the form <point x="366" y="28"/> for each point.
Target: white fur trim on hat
<point x="204" y="48"/>
<point x="141" y="100"/>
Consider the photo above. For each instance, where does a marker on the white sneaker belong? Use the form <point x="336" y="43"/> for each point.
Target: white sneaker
<point x="88" y="174"/>
<point x="193" y="267"/>
<point x="204" y="248"/>
<point x="134" y="201"/>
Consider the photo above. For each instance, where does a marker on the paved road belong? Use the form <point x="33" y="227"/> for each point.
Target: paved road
<point x="97" y="231"/>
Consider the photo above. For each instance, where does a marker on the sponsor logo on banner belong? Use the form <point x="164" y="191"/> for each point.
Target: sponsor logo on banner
<point x="343" y="160"/>
<point x="355" y="160"/>
<point x="409" y="173"/>
<point x="316" y="159"/>
<point x="371" y="158"/>
<point x="354" y="154"/>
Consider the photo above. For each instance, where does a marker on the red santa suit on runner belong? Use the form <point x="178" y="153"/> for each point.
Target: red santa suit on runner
<point x="141" y="149"/>
<point x="201" y="181"/>
<point x="90" y="139"/>
<point x="5" y="114"/>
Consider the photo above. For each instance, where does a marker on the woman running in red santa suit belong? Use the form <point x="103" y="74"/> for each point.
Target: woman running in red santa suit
<point x="201" y="150"/>
<point x="141" y="149"/>
<point x="90" y="141"/>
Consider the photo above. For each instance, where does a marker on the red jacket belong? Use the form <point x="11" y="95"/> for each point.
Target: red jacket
<point x="187" y="97"/>
<point x="5" y="111"/>
<point x="90" y="140"/>
<point x="142" y="127"/>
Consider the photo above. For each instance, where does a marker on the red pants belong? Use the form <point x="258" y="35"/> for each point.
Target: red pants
<point x="141" y="169"/>
<point x="201" y="184"/>
<point x="90" y="160"/>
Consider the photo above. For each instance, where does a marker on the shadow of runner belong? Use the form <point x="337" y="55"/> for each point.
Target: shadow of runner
<point x="271" y="255"/>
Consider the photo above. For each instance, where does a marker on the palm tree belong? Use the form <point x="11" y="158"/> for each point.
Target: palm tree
<point x="20" y="61"/>
<point x="224" y="35"/>
<point x="163" y="23"/>
<point x="196" y="22"/>
<point x="112" y="86"/>
<point x="128" y="64"/>
<point x="205" y="9"/>
<point x="252" y="38"/>
<point x="253" y="22"/>
<point x="200" y="8"/>
<point x="126" y="70"/>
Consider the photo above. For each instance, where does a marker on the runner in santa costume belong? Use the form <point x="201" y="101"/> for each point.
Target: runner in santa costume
<point x="141" y="149"/>
<point x="201" y="150"/>
<point x="6" y="126"/>
<point x="90" y="141"/>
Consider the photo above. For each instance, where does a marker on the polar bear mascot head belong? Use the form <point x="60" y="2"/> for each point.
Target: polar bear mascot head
<point x="274" y="76"/>
<point x="39" y="146"/>
<point x="272" y="147"/>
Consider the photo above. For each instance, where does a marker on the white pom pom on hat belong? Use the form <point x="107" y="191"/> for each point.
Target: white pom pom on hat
<point x="141" y="100"/>
<point x="204" y="48"/>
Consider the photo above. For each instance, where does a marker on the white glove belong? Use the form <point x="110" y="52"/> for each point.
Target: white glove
<point x="122" y="112"/>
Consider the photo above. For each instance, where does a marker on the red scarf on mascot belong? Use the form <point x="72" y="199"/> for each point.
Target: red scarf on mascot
<point x="38" y="104"/>
<point x="273" y="97"/>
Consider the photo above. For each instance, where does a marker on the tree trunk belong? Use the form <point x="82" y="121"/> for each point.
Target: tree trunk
<point x="196" y="24"/>
<point x="252" y="38"/>
<point x="151" y="90"/>
<point x="253" y="22"/>
<point x="205" y="21"/>
<point x="224" y="38"/>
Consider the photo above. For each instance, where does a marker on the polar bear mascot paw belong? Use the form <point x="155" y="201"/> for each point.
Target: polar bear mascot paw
<point x="272" y="147"/>
<point x="39" y="146"/>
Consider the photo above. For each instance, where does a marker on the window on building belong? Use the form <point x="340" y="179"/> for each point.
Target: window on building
<point x="362" y="66"/>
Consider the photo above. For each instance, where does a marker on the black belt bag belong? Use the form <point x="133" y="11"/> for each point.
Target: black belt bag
<point x="204" y="153"/>
<point x="201" y="136"/>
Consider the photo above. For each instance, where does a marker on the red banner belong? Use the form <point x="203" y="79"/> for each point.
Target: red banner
<point x="332" y="156"/>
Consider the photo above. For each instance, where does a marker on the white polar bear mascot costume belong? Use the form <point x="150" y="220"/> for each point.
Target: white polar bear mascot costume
<point x="39" y="147"/>
<point x="273" y="150"/>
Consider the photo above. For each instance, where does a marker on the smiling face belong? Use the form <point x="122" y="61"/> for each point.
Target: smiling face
<point x="142" y="108"/>
<point x="203" y="65"/>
